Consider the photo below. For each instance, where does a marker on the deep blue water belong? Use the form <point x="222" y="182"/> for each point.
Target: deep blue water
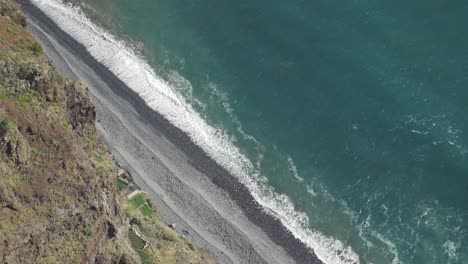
<point x="356" y="110"/>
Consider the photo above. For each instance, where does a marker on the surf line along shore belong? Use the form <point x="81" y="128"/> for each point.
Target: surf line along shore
<point x="188" y="187"/>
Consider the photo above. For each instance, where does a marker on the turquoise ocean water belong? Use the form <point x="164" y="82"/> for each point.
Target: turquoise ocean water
<point x="355" y="110"/>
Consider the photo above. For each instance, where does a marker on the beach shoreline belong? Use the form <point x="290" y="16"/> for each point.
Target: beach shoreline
<point x="188" y="187"/>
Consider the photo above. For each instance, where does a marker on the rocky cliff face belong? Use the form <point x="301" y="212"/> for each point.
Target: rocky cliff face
<point x="58" y="200"/>
<point x="58" y="196"/>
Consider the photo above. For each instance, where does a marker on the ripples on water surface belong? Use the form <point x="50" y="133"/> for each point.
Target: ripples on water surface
<point x="355" y="111"/>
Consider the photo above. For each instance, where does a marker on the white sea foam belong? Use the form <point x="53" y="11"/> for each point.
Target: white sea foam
<point x="222" y="97"/>
<point x="440" y="128"/>
<point x="310" y="189"/>
<point x="450" y="249"/>
<point x="391" y="246"/>
<point x="141" y="78"/>
<point x="293" y="169"/>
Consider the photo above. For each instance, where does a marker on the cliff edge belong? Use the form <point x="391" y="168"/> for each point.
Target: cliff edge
<point x="58" y="185"/>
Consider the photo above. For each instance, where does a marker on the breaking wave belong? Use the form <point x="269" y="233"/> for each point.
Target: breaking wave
<point x="132" y="69"/>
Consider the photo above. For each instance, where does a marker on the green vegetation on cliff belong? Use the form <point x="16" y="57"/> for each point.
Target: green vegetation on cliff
<point x="163" y="244"/>
<point x="57" y="182"/>
<point x="58" y="186"/>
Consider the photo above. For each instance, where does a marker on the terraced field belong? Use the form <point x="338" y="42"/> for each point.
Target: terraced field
<point x="138" y="201"/>
<point x="146" y="210"/>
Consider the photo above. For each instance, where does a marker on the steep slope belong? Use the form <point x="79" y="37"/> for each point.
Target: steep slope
<point x="58" y="196"/>
<point x="57" y="183"/>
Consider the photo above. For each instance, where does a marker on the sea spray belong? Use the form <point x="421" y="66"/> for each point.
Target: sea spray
<point x="119" y="58"/>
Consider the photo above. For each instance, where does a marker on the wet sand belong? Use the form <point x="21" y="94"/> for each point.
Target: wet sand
<point x="206" y="203"/>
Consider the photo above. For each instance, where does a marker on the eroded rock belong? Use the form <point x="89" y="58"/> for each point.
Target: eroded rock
<point x="16" y="147"/>
<point x="80" y="109"/>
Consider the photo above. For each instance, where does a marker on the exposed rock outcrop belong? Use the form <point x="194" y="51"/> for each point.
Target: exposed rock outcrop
<point x="58" y="194"/>
<point x="58" y="201"/>
<point x="81" y="110"/>
<point x="15" y="146"/>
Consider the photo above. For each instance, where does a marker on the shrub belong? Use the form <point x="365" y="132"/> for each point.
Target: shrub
<point x="36" y="48"/>
<point x="169" y="235"/>
<point x="27" y="98"/>
<point x="88" y="231"/>
<point x="4" y="127"/>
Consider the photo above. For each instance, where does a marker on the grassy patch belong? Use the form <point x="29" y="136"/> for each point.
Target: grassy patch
<point x="121" y="185"/>
<point x="18" y="178"/>
<point x="71" y="249"/>
<point x="27" y="98"/>
<point x="145" y="257"/>
<point x="136" y="242"/>
<point x="102" y="163"/>
<point x="4" y="55"/>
